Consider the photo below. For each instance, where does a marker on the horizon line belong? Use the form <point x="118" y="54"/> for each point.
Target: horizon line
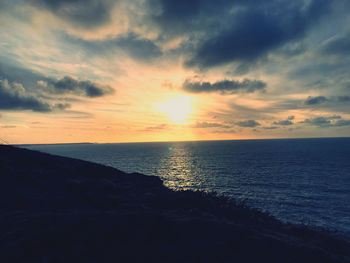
<point x="172" y="141"/>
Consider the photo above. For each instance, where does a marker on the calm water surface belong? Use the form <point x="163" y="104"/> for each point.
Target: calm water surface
<point x="296" y="180"/>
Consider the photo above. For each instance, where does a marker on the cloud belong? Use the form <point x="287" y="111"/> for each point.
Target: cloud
<point x="156" y="128"/>
<point x="39" y="84"/>
<point x="254" y="29"/>
<point x="334" y="104"/>
<point x="210" y="125"/>
<point x="62" y="106"/>
<point x="343" y="98"/>
<point x="79" y="87"/>
<point x="283" y="123"/>
<point x="331" y="103"/>
<point x="14" y="97"/>
<point x="81" y="13"/>
<point x="15" y="72"/>
<point x="330" y="121"/>
<point x="339" y="45"/>
<point x="224" y="86"/>
<point x="248" y="123"/>
<point x="315" y="100"/>
<point x="135" y="46"/>
<point x="24" y="89"/>
<point x="79" y="115"/>
<point x="342" y="122"/>
<point x="179" y="17"/>
<point x="225" y="131"/>
<point x="286" y="122"/>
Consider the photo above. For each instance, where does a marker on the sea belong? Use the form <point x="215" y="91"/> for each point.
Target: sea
<point x="296" y="180"/>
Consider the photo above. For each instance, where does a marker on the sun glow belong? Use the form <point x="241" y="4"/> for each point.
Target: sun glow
<point x="177" y="109"/>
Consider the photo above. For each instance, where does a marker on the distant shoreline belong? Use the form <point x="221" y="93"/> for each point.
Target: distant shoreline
<point x="32" y="144"/>
<point x="265" y="139"/>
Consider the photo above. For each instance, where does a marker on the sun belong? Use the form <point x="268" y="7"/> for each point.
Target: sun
<point x="177" y="109"/>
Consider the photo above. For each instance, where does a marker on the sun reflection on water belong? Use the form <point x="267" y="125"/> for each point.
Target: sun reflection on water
<point x="182" y="168"/>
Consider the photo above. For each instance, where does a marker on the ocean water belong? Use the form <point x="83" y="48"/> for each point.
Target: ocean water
<point x="296" y="180"/>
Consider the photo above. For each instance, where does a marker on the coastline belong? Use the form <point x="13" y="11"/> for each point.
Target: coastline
<point x="58" y="209"/>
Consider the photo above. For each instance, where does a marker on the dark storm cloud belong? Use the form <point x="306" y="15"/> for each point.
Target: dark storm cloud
<point x="78" y="87"/>
<point x="176" y="17"/>
<point x="315" y="100"/>
<point x="248" y="123"/>
<point x="178" y="10"/>
<point x="135" y="46"/>
<point x="339" y="45"/>
<point x="14" y="97"/>
<point x="224" y="86"/>
<point x="82" y="13"/>
<point x="256" y="29"/>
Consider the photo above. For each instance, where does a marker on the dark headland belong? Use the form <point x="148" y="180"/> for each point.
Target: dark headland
<point x="56" y="209"/>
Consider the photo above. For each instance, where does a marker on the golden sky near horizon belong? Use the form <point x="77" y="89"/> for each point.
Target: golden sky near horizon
<point x="164" y="70"/>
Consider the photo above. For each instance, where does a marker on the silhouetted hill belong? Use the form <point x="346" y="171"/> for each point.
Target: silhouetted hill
<point x="56" y="209"/>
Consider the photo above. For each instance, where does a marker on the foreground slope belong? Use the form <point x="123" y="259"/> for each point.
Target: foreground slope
<point x="56" y="209"/>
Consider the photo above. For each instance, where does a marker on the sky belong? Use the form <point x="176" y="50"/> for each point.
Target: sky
<point x="165" y="70"/>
